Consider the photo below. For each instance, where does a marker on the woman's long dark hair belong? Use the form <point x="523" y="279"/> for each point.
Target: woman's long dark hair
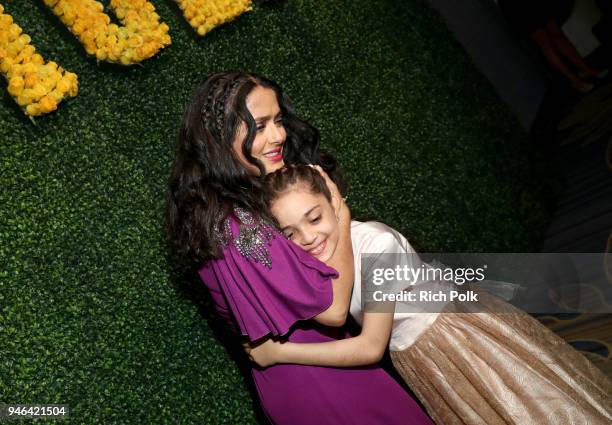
<point x="208" y="180"/>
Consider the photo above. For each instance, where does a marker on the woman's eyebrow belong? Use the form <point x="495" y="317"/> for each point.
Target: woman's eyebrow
<point x="267" y="117"/>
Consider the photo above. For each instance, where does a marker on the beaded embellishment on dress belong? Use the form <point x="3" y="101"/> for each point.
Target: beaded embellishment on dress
<point x="222" y="234"/>
<point x="253" y="237"/>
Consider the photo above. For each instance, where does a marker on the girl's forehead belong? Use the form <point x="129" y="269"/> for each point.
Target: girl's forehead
<point x="299" y="193"/>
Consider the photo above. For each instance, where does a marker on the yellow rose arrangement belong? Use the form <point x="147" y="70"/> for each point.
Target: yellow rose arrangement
<point x="204" y="15"/>
<point x="37" y="87"/>
<point x="140" y="37"/>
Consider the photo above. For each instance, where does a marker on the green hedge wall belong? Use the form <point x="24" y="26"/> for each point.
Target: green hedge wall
<point x="93" y="313"/>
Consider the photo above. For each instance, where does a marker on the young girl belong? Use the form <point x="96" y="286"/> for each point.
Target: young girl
<point x="496" y="367"/>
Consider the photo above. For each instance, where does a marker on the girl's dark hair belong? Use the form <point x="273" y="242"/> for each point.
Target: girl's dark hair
<point x="208" y="180"/>
<point x="287" y="178"/>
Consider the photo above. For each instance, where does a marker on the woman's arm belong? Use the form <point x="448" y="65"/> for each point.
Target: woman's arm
<point x="365" y="349"/>
<point x="342" y="261"/>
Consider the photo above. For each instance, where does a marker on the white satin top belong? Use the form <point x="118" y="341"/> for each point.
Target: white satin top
<point x="375" y="238"/>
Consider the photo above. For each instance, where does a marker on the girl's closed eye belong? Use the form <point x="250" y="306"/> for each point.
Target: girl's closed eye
<point x="307" y="218"/>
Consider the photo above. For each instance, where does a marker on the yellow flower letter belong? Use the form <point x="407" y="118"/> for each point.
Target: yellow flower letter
<point x="36" y="86"/>
<point x="140" y="37"/>
<point x="204" y="15"/>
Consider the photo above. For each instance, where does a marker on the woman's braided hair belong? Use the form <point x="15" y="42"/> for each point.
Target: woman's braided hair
<point x="213" y="110"/>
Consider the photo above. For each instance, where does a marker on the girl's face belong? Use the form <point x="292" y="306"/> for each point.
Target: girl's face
<point x="270" y="136"/>
<point x="307" y="219"/>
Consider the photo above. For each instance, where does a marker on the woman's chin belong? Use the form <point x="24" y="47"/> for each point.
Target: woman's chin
<point x="273" y="166"/>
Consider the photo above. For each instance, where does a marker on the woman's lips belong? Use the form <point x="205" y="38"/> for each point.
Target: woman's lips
<point x="274" y="156"/>
<point x="318" y="250"/>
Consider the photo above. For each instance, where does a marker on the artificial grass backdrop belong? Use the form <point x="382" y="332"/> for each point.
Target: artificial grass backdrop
<point x="90" y="314"/>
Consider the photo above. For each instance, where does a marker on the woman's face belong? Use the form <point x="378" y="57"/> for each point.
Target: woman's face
<point x="308" y="219"/>
<point x="270" y="136"/>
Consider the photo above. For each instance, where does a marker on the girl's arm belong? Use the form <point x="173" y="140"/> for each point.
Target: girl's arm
<point x="341" y="260"/>
<point x="365" y="349"/>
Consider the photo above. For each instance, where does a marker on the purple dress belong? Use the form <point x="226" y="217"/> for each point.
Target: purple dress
<point x="263" y="285"/>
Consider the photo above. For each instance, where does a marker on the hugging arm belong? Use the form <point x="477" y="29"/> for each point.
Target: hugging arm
<point x="369" y="346"/>
<point x="365" y="349"/>
<point x="342" y="261"/>
<point x="341" y="289"/>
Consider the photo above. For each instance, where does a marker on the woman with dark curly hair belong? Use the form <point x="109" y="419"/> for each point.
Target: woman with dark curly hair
<point x="237" y="128"/>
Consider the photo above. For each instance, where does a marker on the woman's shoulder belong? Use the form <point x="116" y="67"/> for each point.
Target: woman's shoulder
<point x="248" y="233"/>
<point x="248" y="240"/>
<point x="266" y="281"/>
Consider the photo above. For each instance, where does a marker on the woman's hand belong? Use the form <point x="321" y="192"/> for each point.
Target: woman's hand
<point x="266" y="353"/>
<point x="337" y="201"/>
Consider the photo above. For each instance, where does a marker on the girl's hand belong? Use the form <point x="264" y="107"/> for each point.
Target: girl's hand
<point x="337" y="201"/>
<point x="266" y="353"/>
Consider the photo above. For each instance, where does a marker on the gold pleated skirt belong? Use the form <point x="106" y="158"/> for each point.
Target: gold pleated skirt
<point x="502" y="366"/>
